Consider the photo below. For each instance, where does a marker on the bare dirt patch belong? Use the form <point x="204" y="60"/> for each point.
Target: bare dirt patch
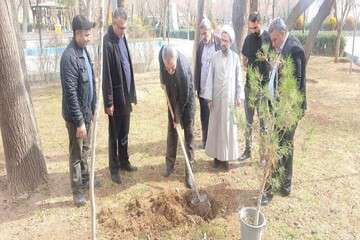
<point x="153" y="215"/>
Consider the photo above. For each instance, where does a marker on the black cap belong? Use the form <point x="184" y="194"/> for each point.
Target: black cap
<point x="81" y="23"/>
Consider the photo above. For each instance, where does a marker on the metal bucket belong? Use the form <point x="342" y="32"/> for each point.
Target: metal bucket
<point x="248" y="231"/>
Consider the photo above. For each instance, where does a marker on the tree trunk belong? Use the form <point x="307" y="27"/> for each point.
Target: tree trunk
<point x="340" y="20"/>
<point x="199" y="18"/>
<point x="239" y="18"/>
<point x="121" y="3"/>
<point x="353" y="43"/>
<point x="323" y="12"/>
<point x="254" y="6"/>
<point x="12" y="10"/>
<point x="84" y="8"/>
<point x="337" y="43"/>
<point x="25" y="16"/>
<point x="90" y="9"/>
<point x="25" y="163"/>
<point x="297" y="11"/>
<point x="41" y="56"/>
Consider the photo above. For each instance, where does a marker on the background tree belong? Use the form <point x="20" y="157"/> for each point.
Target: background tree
<point x="25" y="163"/>
<point x="273" y="8"/>
<point x="19" y="37"/>
<point x="356" y="12"/>
<point x="315" y="26"/>
<point x="164" y="17"/>
<point x="300" y="22"/>
<point x="254" y="5"/>
<point x="121" y="3"/>
<point x="349" y="23"/>
<point x="342" y="9"/>
<point x="296" y="12"/>
<point x="25" y="7"/>
<point x="239" y="19"/>
<point x="199" y="18"/>
<point x="81" y="7"/>
<point x="329" y="23"/>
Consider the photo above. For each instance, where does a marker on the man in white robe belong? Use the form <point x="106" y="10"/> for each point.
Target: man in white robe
<point x="224" y="91"/>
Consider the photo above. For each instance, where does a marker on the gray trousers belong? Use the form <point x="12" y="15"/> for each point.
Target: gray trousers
<point x="172" y="141"/>
<point x="79" y="153"/>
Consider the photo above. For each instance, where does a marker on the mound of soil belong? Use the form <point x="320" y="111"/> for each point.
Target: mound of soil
<point x="151" y="216"/>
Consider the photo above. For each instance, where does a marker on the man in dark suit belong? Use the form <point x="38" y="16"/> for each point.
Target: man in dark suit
<point x="207" y="48"/>
<point x="255" y="42"/>
<point x="118" y="92"/>
<point x="176" y="80"/>
<point x="287" y="45"/>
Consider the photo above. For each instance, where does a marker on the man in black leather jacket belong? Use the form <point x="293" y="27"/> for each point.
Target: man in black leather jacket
<point x="78" y="104"/>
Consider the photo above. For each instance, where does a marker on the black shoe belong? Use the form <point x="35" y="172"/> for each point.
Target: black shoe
<point x="128" y="168"/>
<point x="79" y="199"/>
<point x="245" y="155"/>
<point x="169" y="168"/>
<point x="168" y="172"/>
<point x="284" y="192"/>
<point x="217" y="163"/>
<point x="226" y="166"/>
<point x="115" y="177"/>
<point x="266" y="198"/>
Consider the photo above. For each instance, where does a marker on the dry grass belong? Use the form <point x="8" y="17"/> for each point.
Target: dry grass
<point x="325" y="202"/>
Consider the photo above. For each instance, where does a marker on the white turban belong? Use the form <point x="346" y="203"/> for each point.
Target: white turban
<point x="206" y="24"/>
<point x="230" y="31"/>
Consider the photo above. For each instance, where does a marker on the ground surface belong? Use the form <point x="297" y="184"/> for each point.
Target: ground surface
<point x="324" y="204"/>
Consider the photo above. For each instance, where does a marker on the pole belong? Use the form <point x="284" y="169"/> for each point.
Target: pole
<point x="353" y="47"/>
<point x="273" y="9"/>
<point x="103" y="24"/>
<point x="288" y="8"/>
<point x="168" y="21"/>
<point x="357" y="16"/>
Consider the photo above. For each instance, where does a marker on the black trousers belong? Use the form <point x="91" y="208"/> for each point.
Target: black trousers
<point x="204" y="117"/>
<point x="287" y="140"/>
<point x="249" y="113"/>
<point x="172" y="140"/>
<point x="118" y="141"/>
<point x="79" y="153"/>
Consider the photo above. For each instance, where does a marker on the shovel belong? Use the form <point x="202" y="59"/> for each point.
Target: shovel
<point x="199" y="201"/>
